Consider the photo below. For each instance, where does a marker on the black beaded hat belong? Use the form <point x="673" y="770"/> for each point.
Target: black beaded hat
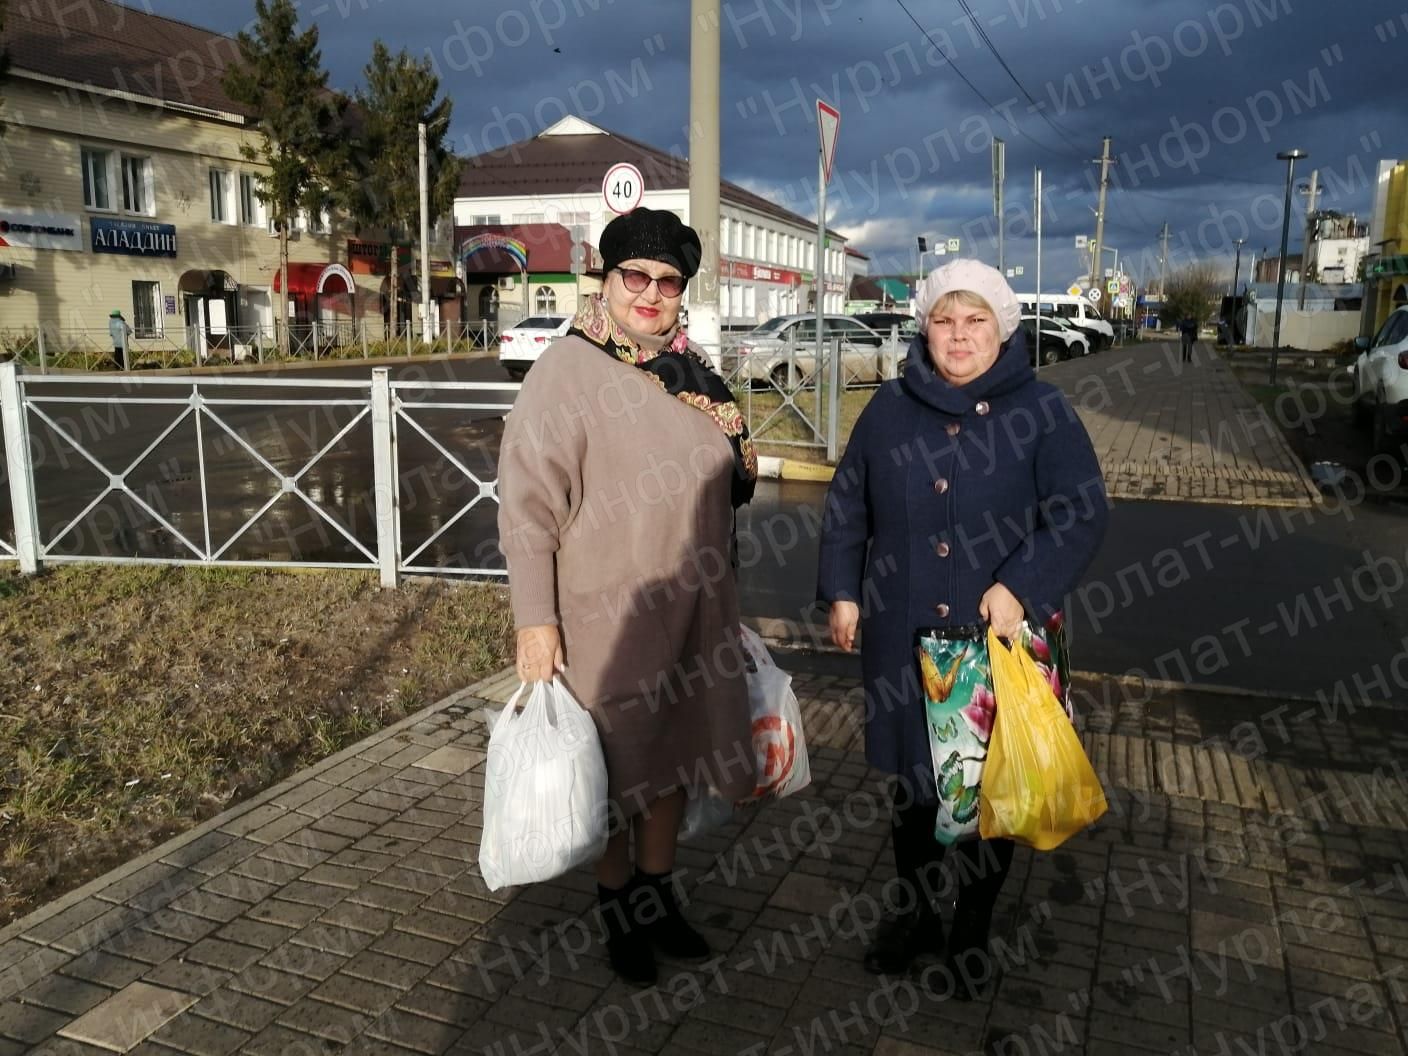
<point x="651" y="234"/>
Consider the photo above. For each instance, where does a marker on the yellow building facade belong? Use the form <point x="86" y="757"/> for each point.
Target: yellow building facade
<point x="1386" y="270"/>
<point x="120" y="204"/>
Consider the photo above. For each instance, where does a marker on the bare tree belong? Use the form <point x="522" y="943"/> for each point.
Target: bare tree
<point x="1191" y="293"/>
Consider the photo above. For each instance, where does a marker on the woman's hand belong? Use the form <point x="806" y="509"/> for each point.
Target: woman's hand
<point x="1002" y="610"/>
<point x="845" y="617"/>
<point x="539" y="653"/>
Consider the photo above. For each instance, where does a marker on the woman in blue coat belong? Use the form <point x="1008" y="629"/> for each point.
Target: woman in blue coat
<point x="969" y="492"/>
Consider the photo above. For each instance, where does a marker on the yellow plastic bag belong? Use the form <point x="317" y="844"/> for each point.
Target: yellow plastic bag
<point x="1038" y="787"/>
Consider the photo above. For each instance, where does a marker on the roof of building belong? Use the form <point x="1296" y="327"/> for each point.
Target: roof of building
<point x="110" y="46"/>
<point x="572" y="156"/>
<point x="851" y="251"/>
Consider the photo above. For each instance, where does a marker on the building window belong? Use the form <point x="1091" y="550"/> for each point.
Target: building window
<point x="528" y="218"/>
<point x="485" y="218"/>
<point x="220" y="211"/>
<point x="137" y="185"/>
<point x="544" y="301"/>
<point x="97" y="192"/>
<point x="318" y="223"/>
<point x="748" y="241"/>
<point x="251" y="208"/>
<point x="146" y="309"/>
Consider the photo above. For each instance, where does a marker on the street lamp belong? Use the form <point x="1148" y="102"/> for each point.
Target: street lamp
<point x="1289" y="157"/>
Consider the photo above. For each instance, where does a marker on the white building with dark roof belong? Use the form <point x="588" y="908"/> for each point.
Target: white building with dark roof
<point x="766" y="253"/>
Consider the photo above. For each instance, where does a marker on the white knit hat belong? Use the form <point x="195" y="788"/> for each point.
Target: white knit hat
<point x="976" y="277"/>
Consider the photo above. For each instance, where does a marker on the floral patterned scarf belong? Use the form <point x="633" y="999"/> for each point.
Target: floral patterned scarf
<point x="682" y="372"/>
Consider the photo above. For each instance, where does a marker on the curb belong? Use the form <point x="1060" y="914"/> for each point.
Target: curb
<point x="771" y="467"/>
<point x="265" y="368"/>
<point x="17" y="928"/>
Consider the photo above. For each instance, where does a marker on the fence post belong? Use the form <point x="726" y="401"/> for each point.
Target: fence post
<point x="43" y="352"/>
<point x="28" y="545"/>
<point x="363" y="328"/>
<point x="388" y="545"/>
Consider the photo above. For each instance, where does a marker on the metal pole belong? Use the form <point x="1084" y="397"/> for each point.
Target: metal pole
<point x="24" y="511"/>
<point x="820" y="275"/>
<point x="999" y="177"/>
<point x="384" y="476"/>
<point x="1289" y="157"/>
<point x="424" y="238"/>
<point x="704" y="172"/>
<point x="1236" y="274"/>
<point x="834" y="409"/>
<point x="1037" y="209"/>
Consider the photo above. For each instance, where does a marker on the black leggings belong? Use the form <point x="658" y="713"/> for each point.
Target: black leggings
<point x="975" y="874"/>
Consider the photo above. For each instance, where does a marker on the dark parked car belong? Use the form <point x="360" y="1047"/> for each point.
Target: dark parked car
<point x="881" y="322"/>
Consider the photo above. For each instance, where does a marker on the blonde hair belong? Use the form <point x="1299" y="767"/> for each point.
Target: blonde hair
<point x="964" y="297"/>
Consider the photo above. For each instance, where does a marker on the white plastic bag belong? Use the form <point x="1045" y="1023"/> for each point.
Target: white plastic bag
<point x="545" y="806"/>
<point x="778" y="742"/>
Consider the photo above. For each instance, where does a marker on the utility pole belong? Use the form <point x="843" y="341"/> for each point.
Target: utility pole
<point x="1163" y="262"/>
<point x="999" y="177"/>
<point x="704" y="171"/>
<point x="425" y="334"/>
<point x="1097" y="265"/>
<point x="1310" y="196"/>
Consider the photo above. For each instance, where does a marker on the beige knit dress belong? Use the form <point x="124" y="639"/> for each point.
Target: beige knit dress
<point x="615" y="519"/>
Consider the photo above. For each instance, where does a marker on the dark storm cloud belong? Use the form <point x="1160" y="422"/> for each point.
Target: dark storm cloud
<point x="1197" y="95"/>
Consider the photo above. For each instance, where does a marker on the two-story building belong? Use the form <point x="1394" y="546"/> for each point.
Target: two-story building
<point x="767" y="254"/>
<point x="124" y="184"/>
<point x="1386" y="266"/>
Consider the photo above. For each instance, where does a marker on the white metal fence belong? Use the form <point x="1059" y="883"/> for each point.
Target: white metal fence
<point x="69" y="348"/>
<point x="140" y="415"/>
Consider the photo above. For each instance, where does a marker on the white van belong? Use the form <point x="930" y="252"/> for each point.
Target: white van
<point x="1077" y="311"/>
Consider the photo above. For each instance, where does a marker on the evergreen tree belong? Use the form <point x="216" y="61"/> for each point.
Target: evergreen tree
<point x="280" y="77"/>
<point x="400" y="93"/>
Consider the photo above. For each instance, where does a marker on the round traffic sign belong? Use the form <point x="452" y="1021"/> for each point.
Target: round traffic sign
<point x="1094" y="294"/>
<point x="622" y="188"/>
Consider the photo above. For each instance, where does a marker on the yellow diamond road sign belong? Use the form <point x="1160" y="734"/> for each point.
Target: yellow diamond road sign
<point x="1073" y="290"/>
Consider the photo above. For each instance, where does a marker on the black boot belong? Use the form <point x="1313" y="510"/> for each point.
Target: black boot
<point x="918" y="863"/>
<point x="627" y="945"/>
<point x="657" y="913"/>
<point x="969" y="961"/>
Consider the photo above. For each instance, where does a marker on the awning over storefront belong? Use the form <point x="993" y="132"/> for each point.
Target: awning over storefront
<point x="309" y="280"/>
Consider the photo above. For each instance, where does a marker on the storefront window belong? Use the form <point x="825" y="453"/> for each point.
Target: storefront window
<point x="146" y="309"/>
<point x="544" y="301"/>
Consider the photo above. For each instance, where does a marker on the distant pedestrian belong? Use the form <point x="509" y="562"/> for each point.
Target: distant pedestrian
<point x="121" y="338"/>
<point x="621" y="466"/>
<point x="915" y="537"/>
<point x="1188" y="329"/>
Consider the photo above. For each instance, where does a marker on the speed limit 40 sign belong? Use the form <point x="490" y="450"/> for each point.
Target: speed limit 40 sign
<point x="623" y="188"/>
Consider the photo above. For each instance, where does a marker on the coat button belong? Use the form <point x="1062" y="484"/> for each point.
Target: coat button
<point x="982" y="407"/>
<point x="941" y="485"/>
<point x="941" y="609"/>
<point x="951" y="428"/>
<point x="942" y="549"/>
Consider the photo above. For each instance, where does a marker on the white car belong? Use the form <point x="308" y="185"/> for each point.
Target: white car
<point x="782" y="351"/>
<point x="521" y="344"/>
<point x="1381" y="381"/>
<point x="1077" y="344"/>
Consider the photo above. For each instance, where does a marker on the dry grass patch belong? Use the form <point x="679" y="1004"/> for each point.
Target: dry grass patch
<point x="137" y="701"/>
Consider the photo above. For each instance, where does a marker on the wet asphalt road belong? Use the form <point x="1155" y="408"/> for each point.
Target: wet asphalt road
<point x="1262" y="567"/>
<point x="1279" y="571"/>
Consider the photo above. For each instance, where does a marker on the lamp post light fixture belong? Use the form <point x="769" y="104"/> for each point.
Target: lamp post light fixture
<point x="1290" y="157"/>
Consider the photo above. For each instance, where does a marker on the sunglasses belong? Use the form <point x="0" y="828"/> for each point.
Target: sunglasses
<point x="639" y="282"/>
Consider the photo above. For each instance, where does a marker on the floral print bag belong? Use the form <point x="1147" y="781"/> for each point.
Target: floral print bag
<point x="956" y="677"/>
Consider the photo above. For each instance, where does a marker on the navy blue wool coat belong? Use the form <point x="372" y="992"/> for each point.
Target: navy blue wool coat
<point x="943" y="491"/>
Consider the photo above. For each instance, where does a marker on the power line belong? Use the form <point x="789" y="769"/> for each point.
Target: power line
<point x="1037" y="107"/>
<point x="972" y="87"/>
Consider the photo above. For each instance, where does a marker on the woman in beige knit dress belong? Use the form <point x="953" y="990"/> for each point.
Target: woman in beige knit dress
<point x="623" y="461"/>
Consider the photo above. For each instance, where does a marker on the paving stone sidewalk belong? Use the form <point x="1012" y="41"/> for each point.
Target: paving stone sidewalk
<point x="1164" y="429"/>
<point x="1246" y="892"/>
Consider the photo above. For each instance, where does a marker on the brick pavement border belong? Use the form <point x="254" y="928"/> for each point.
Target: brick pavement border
<point x="100" y="883"/>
